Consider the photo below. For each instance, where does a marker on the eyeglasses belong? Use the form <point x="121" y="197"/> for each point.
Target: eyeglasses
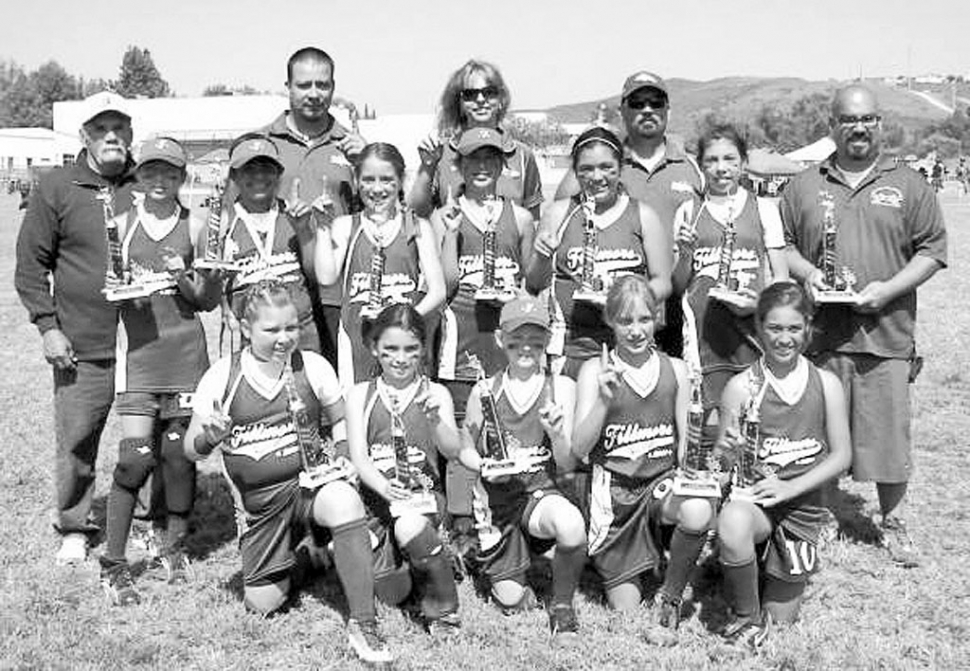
<point x="654" y="102"/>
<point x="867" y="120"/>
<point x="471" y="95"/>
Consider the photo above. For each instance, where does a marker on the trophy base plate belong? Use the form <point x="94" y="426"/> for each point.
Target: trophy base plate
<point x="593" y="297"/>
<point x="321" y="475"/>
<point x="493" y="468"/>
<point x="705" y="486"/>
<point x="736" y="298"/>
<point x="419" y="503"/>
<point x="128" y="292"/>
<point x="215" y="264"/>
<point x="745" y="494"/>
<point x="494" y="296"/>
<point x="833" y="297"/>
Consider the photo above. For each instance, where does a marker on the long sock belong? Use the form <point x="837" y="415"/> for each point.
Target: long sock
<point x="567" y="566"/>
<point x="121" y="508"/>
<point x="685" y="548"/>
<point x="435" y="577"/>
<point x="355" y="566"/>
<point x="741" y="587"/>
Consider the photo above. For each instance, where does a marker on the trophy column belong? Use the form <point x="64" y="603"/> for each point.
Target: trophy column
<point x="839" y="282"/>
<point x="700" y="478"/>
<point x="591" y="288"/>
<point x="316" y="455"/>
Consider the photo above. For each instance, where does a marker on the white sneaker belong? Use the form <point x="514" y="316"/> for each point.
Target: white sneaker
<point x="74" y="549"/>
<point x="367" y="643"/>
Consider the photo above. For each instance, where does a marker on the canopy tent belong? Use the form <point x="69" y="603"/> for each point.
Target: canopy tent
<point x="764" y="162"/>
<point x="816" y="152"/>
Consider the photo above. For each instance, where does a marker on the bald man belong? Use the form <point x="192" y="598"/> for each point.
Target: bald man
<point x="892" y="237"/>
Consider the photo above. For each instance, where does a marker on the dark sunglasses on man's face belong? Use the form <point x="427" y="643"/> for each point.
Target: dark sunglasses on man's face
<point x="867" y="120"/>
<point x="471" y="95"/>
<point x="654" y="102"/>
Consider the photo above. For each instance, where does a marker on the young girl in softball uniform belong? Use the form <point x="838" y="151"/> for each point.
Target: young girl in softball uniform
<point x="161" y="354"/>
<point x="347" y="249"/>
<point x="397" y="424"/>
<point x="803" y="444"/>
<point x="529" y="411"/>
<point x="631" y="413"/>
<point x="243" y="410"/>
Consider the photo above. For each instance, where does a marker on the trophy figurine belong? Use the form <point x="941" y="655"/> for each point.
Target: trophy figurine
<point x="699" y="477"/>
<point x="491" y="290"/>
<point x="317" y="455"/>
<point x="214" y="258"/>
<point x="422" y="500"/>
<point x="747" y="468"/>
<point x="840" y="281"/>
<point x="591" y="288"/>
<point x="375" y="297"/>
<point x="725" y="288"/>
<point x="122" y="281"/>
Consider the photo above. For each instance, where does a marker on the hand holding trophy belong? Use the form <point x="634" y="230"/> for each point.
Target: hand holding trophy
<point x="726" y="289"/>
<point x="839" y="282"/>
<point x="419" y="499"/>
<point x="698" y="475"/>
<point x="747" y="469"/>
<point x="492" y="291"/>
<point x="215" y="249"/>
<point x="591" y="288"/>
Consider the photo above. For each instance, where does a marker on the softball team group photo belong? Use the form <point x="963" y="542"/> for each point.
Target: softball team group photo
<point x="637" y="393"/>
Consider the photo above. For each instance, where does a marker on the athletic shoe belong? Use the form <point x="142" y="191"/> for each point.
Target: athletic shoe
<point x="526" y="603"/>
<point x="118" y="585"/>
<point x="748" y="633"/>
<point x="74" y="549"/>
<point x="177" y="567"/>
<point x="445" y="625"/>
<point x="562" y="620"/>
<point x="662" y="621"/>
<point x="367" y="642"/>
<point x="897" y="541"/>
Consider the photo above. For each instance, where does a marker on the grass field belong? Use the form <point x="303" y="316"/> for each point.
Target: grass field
<point x="861" y="612"/>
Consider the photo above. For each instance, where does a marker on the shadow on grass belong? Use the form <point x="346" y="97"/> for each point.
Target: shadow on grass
<point x="213" y="522"/>
<point x="850" y="513"/>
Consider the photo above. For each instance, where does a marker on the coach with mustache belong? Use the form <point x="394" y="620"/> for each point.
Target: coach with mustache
<point x="891" y="235"/>
<point x="62" y="259"/>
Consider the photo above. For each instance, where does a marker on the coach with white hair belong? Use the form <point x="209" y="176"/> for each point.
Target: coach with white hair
<point x="62" y="259"/>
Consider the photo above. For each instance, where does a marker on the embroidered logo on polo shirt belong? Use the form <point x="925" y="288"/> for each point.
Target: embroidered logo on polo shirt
<point x="888" y="196"/>
<point x="340" y="159"/>
<point x="681" y="187"/>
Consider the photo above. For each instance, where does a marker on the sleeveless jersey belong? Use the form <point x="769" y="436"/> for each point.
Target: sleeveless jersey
<point x="519" y="182"/>
<point x="418" y="434"/>
<point x="260" y="258"/>
<point x="793" y="437"/>
<point x="262" y="460"/>
<point x="639" y="437"/>
<point x="522" y="432"/>
<point x="161" y="346"/>
<point x="725" y="342"/>
<point x="470" y="325"/>
<point x="399" y="284"/>
<point x="619" y="252"/>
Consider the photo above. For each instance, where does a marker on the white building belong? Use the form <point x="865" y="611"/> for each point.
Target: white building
<point x="24" y="148"/>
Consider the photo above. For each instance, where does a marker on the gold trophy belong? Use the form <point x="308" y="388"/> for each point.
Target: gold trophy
<point x="725" y="288"/>
<point x="503" y="454"/>
<point x="699" y="475"/>
<point x="122" y="281"/>
<point x="317" y="454"/>
<point x="375" y="297"/>
<point x="214" y="258"/>
<point x="840" y="281"/>
<point x="422" y="500"/>
<point x="491" y="291"/>
<point x="748" y="469"/>
<point x="591" y="288"/>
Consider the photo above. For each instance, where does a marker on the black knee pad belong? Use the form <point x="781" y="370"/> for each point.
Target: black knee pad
<point x="177" y="470"/>
<point x="136" y="459"/>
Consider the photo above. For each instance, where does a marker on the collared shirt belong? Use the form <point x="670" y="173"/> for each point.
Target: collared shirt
<point x="674" y="180"/>
<point x="886" y="220"/>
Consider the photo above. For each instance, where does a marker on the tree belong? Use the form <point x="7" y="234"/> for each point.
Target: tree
<point x="225" y="90"/>
<point x="139" y="77"/>
<point x="28" y="99"/>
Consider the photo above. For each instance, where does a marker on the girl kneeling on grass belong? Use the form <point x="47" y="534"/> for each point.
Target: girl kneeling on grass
<point x="521" y="512"/>
<point x="631" y="411"/>
<point x="161" y="356"/>
<point x="804" y="443"/>
<point x="242" y="409"/>
<point x="396" y="425"/>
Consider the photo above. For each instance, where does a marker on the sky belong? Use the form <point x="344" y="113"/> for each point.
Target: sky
<point x="395" y="55"/>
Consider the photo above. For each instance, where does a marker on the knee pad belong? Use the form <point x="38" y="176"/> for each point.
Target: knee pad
<point x="136" y="460"/>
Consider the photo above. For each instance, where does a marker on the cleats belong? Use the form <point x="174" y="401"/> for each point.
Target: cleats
<point x="562" y="620"/>
<point x="73" y="550"/>
<point x="118" y="585"/>
<point x="445" y="625"/>
<point x="902" y="550"/>
<point x="748" y="633"/>
<point x="367" y="643"/>
<point x="178" y="569"/>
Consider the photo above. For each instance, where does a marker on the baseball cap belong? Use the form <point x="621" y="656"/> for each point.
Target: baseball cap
<point x="105" y="101"/>
<point x="523" y="310"/>
<point x="249" y="148"/>
<point x="476" y="138"/>
<point x="161" y="149"/>
<point x="641" y="80"/>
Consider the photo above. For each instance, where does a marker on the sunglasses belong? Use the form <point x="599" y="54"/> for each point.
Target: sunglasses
<point x="471" y="95"/>
<point x="867" y="120"/>
<point x="655" y="102"/>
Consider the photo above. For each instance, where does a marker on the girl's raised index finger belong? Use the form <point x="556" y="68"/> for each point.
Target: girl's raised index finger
<point x="604" y="357"/>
